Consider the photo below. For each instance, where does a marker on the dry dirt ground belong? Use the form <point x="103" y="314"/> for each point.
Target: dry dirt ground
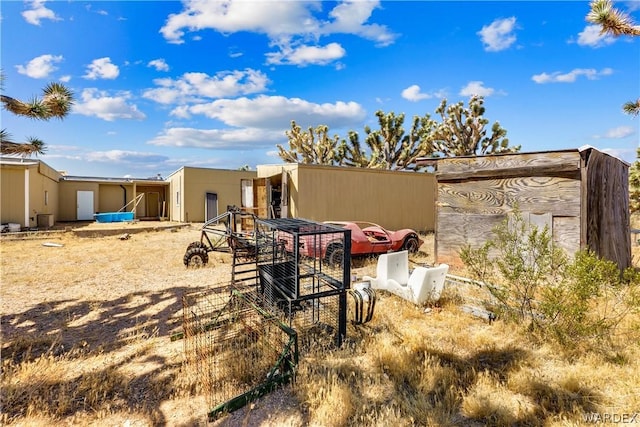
<point x="102" y="308"/>
<point x="113" y="292"/>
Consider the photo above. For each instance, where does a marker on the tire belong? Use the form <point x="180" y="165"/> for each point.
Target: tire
<point x="335" y="255"/>
<point x="196" y="257"/>
<point x="411" y="244"/>
<point x="196" y="245"/>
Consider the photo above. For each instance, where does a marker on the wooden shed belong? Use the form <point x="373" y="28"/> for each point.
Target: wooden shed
<point x="581" y="194"/>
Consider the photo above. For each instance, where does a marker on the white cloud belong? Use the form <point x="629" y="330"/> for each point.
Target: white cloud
<point x="272" y="18"/>
<point x="476" y="88"/>
<point x="305" y="55"/>
<point x="280" y="21"/>
<point x="498" y="35"/>
<point x="350" y="17"/>
<point x="102" y="68"/>
<point x="413" y="94"/>
<point x="572" y="76"/>
<point x="38" y="12"/>
<point x="624" y="154"/>
<point x="218" y="138"/>
<point x="40" y="67"/>
<point x="195" y="86"/>
<point x="276" y="112"/>
<point x="159" y="64"/>
<point x="121" y="156"/>
<point x="100" y="104"/>
<point x="591" y="36"/>
<point x="619" y="132"/>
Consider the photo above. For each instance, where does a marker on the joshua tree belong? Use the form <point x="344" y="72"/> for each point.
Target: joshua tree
<point x="616" y="23"/>
<point x="462" y="131"/>
<point x="56" y="102"/>
<point x="390" y="147"/>
<point x="25" y="149"/>
<point x="311" y="147"/>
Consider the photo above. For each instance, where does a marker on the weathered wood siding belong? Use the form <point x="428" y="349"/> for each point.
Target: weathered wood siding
<point x="585" y="192"/>
<point x="521" y="164"/>
<point x="607" y="206"/>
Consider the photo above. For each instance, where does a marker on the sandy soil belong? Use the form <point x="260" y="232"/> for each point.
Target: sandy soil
<point x="117" y="296"/>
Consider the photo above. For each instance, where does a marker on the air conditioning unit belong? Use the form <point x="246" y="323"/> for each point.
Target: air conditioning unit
<point x="45" y="220"/>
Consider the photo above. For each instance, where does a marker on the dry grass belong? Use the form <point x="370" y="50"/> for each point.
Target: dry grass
<point x="85" y="341"/>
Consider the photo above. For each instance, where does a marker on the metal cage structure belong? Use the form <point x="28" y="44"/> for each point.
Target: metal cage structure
<point x="236" y="350"/>
<point x="304" y="276"/>
<point x="243" y="338"/>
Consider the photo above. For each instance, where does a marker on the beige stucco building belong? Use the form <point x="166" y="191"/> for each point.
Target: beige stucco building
<point x="29" y="192"/>
<point x="199" y="194"/>
<point x="393" y="199"/>
<point x="35" y="195"/>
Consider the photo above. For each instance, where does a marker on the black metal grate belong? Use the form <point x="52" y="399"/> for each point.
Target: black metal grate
<point x="305" y="281"/>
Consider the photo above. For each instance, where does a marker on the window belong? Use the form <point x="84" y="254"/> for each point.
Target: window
<point x="46" y="198"/>
<point x="177" y="198"/>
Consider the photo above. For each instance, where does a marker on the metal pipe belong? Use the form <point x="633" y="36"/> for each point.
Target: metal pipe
<point x="125" y="195"/>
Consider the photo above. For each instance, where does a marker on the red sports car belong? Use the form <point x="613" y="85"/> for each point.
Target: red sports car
<point x="366" y="238"/>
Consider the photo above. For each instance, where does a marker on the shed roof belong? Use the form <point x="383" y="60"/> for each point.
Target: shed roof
<point x="432" y="161"/>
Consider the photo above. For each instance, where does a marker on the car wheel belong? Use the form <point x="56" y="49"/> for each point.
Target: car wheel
<point x="196" y="257"/>
<point x="335" y="255"/>
<point x="411" y="244"/>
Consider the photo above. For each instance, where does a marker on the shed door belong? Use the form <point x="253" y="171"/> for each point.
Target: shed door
<point x="211" y="206"/>
<point x="262" y="196"/>
<point x="84" y="205"/>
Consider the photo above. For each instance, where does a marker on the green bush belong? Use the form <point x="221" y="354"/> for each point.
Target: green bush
<point x="516" y="264"/>
<point x="583" y="300"/>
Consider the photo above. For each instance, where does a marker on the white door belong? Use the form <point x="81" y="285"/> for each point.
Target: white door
<point x="84" y="205"/>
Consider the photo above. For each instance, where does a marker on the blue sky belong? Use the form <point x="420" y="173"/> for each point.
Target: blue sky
<point x="165" y="84"/>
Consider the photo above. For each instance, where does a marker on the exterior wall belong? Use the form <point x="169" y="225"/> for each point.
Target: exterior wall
<point x="608" y="220"/>
<point x="68" y="198"/>
<point x="193" y="185"/>
<point x="111" y="197"/>
<point x="27" y="189"/>
<point x="392" y="199"/>
<point x="43" y="193"/>
<point x="12" y="195"/>
<point x="176" y="194"/>
<point x="475" y="194"/>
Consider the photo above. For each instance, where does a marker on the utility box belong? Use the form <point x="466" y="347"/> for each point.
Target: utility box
<point x="45" y="220"/>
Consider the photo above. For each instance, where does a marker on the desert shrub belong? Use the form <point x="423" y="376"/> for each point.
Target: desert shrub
<point x="515" y="265"/>
<point x="591" y="301"/>
<point x="582" y="300"/>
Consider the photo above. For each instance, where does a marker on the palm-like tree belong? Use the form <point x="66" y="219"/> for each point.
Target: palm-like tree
<point x="56" y="102"/>
<point x="612" y="20"/>
<point x="24" y="149"/>
<point x="616" y="23"/>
